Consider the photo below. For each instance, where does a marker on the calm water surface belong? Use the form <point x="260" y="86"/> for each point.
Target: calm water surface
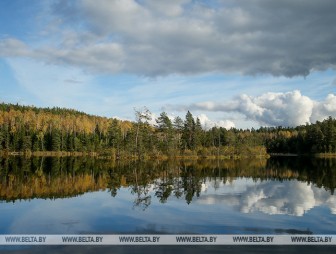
<point x="73" y="195"/>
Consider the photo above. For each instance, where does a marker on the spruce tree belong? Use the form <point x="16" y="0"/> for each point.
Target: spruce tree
<point x="188" y="131"/>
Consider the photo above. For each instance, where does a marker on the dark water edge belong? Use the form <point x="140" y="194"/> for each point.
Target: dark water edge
<point x="173" y="249"/>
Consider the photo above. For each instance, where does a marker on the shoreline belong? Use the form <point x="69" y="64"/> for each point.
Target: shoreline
<point x="104" y="155"/>
<point x="127" y="157"/>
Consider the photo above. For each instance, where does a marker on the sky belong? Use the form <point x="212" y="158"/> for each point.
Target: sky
<point x="232" y="63"/>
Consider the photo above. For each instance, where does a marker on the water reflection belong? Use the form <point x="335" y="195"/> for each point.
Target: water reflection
<point x="287" y="197"/>
<point x="277" y="186"/>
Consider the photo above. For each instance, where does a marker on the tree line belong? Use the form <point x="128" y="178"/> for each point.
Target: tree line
<point x="319" y="137"/>
<point x="27" y="129"/>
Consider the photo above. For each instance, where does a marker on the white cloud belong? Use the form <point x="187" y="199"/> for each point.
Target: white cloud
<point x="208" y="124"/>
<point x="288" y="197"/>
<point x="293" y="198"/>
<point x="289" y="109"/>
<point x="273" y="109"/>
<point x="158" y="38"/>
<point x="324" y="108"/>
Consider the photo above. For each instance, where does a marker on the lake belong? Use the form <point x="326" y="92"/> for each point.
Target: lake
<point x="73" y="195"/>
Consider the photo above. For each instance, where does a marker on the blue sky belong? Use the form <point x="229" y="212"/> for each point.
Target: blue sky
<point x="231" y="63"/>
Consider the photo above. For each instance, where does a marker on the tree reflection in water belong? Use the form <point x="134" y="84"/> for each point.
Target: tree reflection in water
<point x="60" y="177"/>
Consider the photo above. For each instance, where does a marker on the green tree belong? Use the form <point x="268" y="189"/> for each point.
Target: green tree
<point x="188" y="131"/>
<point x="114" y="135"/>
<point x="165" y="127"/>
<point x="178" y="125"/>
<point x="2" y="139"/>
<point x="330" y="134"/>
<point x="27" y="143"/>
<point x="198" y="134"/>
<point x="56" y="140"/>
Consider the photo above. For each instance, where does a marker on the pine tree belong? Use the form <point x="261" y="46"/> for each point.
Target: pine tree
<point x="188" y="131"/>
<point x="178" y="125"/>
<point x="115" y="135"/>
<point x="198" y="134"/>
<point x="165" y="126"/>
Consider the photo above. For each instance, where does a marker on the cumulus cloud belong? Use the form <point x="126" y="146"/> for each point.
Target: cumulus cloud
<point x="324" y="108"/>
<point x="158" y="38"/>
<point x="279" y="199"/>
<point x="208" y="124"/>
<point x="273" y="109"/>
<point x="288" y="197"/>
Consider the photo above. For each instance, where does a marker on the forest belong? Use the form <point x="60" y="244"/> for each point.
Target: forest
<point x="56" y="131"/>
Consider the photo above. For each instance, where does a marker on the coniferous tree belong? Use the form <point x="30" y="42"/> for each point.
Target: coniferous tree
<point x="115" y="135"/>
<point x="188" y="131"/>
<point x="198" y="134"/>
<point x="178" y="126"/>
<point x="165" y="126"/>
<point x="55" y="141"/>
